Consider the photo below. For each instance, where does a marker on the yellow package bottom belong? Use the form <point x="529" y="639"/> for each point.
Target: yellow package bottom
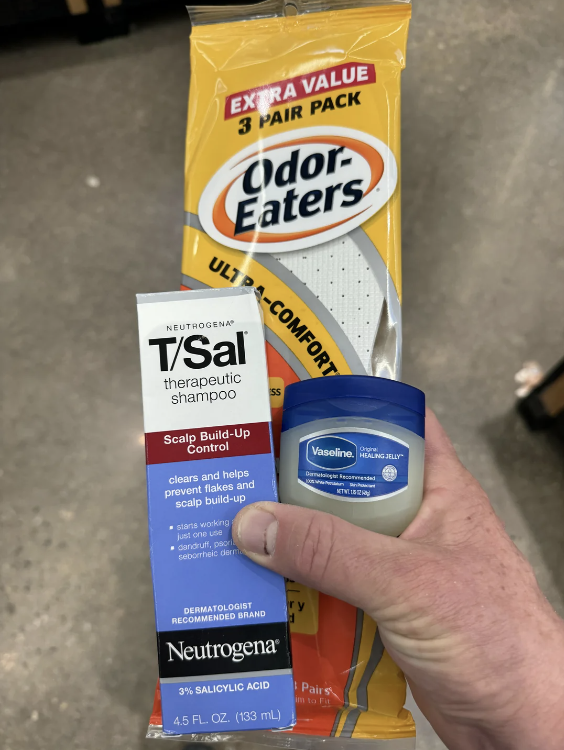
<point x="292" y="186"/>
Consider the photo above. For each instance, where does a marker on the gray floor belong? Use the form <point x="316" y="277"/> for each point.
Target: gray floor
<point x="483" y="177"/>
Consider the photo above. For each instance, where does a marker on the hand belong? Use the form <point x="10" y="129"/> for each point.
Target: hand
<point x="457" y="605"/>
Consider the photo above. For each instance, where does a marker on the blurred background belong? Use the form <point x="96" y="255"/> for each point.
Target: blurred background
<point x="91" y="212"/>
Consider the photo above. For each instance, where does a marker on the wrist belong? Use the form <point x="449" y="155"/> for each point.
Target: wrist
<point x="530" y="713"/>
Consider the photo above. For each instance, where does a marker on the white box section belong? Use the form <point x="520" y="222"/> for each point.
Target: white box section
<point x="203" y="359"/>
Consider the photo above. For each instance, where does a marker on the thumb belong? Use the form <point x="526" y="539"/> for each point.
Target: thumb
<point x="323" y="552"/>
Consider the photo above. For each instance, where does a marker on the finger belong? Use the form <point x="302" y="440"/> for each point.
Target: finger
<point x="323" y="552"/>
<point x="451" y="494"/>
<point x="442" y="465"/>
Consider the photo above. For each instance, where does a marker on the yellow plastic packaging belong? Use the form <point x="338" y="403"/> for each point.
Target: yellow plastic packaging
<point x="292" y="186"/>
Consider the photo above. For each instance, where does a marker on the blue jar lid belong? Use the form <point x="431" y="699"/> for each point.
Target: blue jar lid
<point x="355" y="386"/>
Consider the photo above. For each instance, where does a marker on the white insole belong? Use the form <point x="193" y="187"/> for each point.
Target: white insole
<point x="340" y="277"/>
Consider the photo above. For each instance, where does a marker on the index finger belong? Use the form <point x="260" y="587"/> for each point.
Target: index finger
<point x="446" y="494"/>
<point x="443" y="468"/>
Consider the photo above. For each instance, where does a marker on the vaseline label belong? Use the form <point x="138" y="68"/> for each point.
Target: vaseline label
<point x="353" y="465"/>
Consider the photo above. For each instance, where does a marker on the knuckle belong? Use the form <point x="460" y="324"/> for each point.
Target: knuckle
<point x="317" y="544"/>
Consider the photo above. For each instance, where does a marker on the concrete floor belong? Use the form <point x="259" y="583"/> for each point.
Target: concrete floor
<point x="483" y="176"/>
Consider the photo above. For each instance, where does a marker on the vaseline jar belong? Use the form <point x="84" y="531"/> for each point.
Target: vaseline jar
<point x="354" y="446"/>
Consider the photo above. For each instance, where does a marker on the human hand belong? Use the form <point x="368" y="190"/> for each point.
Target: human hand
<point x="457" y="605"/>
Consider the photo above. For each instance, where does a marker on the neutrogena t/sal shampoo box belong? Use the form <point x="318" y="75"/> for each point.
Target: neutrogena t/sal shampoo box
<point x="222" y="627"/>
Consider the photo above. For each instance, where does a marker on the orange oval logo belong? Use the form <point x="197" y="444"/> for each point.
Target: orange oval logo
<point x="294" y="191"/>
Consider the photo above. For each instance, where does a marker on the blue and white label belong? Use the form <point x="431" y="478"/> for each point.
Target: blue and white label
<point x="331" y="452"/>
<point x="354" y="465"/>
<point x="221" y="619"/>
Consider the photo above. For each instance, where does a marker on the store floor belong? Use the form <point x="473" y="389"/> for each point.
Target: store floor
<point x="91" y="178"/>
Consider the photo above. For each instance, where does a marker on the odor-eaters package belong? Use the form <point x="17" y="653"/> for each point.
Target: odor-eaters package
<point x="292" y="187"/>
<point x="222" y="625"/>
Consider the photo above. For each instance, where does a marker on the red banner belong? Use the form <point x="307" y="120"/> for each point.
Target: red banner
<point x="209" y="442"/>
<point x="319" y="83"/>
